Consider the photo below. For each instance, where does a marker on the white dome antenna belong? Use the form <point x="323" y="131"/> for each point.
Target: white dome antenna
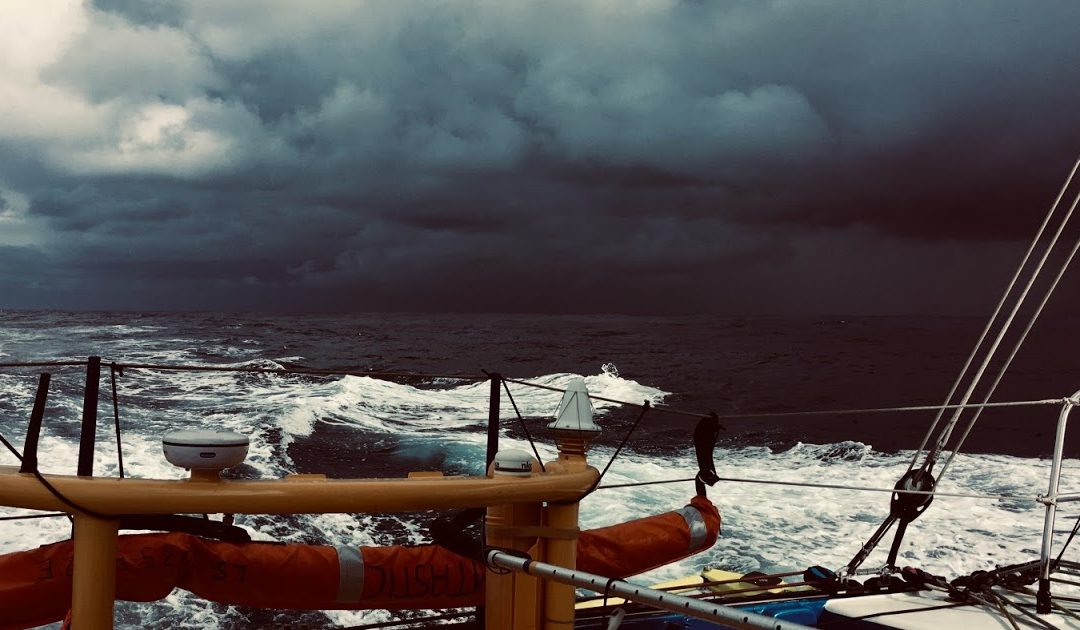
<point x="574" y="427"/>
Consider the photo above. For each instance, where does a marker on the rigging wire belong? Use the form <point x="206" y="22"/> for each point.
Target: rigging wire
<point x="946" y="432"/>
<point x="1016" y="348"/>
<point x="1072" y="534"/>
<point x="11" y="448"/>
<point x="524" y="427"/>
<point x="994" y="316"/>
<point x="644" y="409"/>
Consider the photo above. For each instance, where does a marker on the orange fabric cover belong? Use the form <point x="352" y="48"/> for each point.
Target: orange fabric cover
<point x="646" y="543"/>
<point x="35" y="585"/>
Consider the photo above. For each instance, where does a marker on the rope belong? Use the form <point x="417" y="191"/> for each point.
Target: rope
<point x="524" y="427"/>
<point x="68" y="502"/>
<point x="998" y="601"/>
<point x="48" y="486"/>
<point x="1027" y="613"/>
<point x="831" y="486"/>
<point x="1062" y="609"/>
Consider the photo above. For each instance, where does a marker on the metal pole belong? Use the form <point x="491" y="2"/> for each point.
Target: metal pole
<point x="1042" y="600"/>
<point x="689" y="606"/>
<point x="89" y="419"/>
<point x="33" y="430"/>
<point x="492" y="448"/>
<point x="116" y="420"/>
<point x="493" y="419"/>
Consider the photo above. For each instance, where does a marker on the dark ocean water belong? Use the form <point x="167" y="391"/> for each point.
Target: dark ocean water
<point x="727" y="365"/>
<point x="365" y="427"/>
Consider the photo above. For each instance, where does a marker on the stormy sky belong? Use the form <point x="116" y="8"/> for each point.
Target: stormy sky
<point x="642" y="156"/>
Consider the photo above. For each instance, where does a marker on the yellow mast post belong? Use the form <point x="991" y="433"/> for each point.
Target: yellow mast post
<point x="558" y="598"/>
<point x="511" y="600"/>
<point x="93" y="580"/>
<point x="573" y="429"/>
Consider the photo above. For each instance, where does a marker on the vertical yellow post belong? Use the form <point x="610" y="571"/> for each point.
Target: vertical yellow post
<point x="573" y="429"/>
<point x="559" y="598"/>
<point x="94" y="573"/>
<point x="511" y="599"/>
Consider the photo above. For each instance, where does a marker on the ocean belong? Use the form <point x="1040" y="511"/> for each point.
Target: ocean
<point x="365" y="427"/>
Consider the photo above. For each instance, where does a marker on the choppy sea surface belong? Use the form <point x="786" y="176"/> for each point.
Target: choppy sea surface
<point x="364" y="427"/>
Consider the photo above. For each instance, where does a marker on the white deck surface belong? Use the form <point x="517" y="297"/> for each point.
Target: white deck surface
<point x="962" y="617"/>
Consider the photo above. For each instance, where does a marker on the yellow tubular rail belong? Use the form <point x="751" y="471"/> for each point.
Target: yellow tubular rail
<point x="113" y="496"/>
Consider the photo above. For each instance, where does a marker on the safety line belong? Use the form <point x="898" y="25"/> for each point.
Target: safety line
<point x="43" y="364"/>
<point x="30" y="516"/>
<point x="254" y="370"/>
<point x="831" y="486"/>
<point x="795" y="414"/>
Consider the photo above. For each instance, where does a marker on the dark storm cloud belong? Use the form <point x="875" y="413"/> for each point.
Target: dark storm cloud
<point x="644" y="156"/>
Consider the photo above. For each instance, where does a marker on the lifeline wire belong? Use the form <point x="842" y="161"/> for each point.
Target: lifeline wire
<point x="252" y="370"/>
<point x="831" y="486"/>
<point x="798" y="414"/>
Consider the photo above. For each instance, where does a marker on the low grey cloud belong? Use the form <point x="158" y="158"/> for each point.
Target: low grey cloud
<point x="656" y="155"/>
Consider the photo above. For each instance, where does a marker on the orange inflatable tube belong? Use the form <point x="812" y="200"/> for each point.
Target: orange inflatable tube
<point x="35" y="585"/>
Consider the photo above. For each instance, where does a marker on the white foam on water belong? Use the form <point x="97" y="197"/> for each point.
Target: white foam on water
<point x="772" y="528"/>
<point x="765" y="527"/>
<point x="384" y="406"/>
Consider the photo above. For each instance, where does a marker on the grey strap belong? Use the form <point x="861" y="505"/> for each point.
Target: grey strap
<point x="695" y="522"/>
<point x="350" y="574"/>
